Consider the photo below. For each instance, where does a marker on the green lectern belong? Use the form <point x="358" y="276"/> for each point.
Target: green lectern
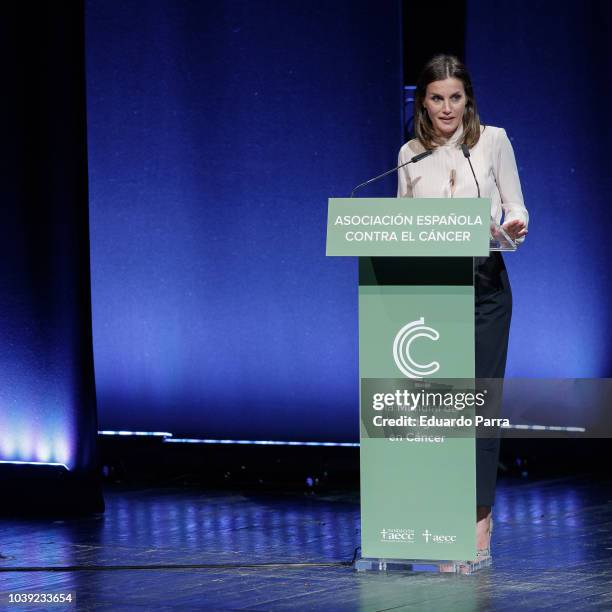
<point x="418" y="397"/>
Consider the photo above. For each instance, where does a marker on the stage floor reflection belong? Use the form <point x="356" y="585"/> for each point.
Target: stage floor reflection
<point x="552" y="549"/>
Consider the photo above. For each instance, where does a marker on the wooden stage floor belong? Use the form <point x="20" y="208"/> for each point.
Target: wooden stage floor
<point x="552" y="551"/>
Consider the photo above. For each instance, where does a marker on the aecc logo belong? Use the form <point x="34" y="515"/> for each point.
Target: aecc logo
<point x="401" y="349"/>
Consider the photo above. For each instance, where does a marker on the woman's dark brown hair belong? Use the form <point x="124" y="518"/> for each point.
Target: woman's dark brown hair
<point x="438" y="68"/>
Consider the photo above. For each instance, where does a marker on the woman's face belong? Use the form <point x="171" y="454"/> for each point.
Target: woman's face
<point x="445" y="104"/>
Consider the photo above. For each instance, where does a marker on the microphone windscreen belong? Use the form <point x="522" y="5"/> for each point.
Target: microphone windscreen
<point x="420" y="156"/>
<point x="466" y="151"/>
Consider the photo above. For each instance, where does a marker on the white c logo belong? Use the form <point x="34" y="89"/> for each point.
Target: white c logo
<point x="401" y="349"/>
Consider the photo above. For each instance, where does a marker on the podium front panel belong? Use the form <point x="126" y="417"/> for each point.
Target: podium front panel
<point x="416" y="342"/>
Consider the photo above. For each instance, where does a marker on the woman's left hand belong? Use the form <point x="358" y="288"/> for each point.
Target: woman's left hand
<point x="515" y="229"/>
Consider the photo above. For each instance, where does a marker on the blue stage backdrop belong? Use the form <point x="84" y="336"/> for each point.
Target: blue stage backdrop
<point x="217" y="131"/>
<point x="542" y="70"/>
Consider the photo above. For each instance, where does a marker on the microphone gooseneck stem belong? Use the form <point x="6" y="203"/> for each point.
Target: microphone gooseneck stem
<point x="474" y="175"/>
<point x="412" y="160"/>
<point x="378" y="177"/>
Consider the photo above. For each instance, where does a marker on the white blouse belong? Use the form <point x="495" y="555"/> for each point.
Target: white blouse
<point x="446" y="173"/>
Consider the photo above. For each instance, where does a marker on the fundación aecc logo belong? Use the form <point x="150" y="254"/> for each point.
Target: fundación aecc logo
<point x="397" y="535"/>
<point x="401" y="349"/>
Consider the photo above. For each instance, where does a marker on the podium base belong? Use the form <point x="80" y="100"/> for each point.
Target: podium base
<point x="421" y="565"/>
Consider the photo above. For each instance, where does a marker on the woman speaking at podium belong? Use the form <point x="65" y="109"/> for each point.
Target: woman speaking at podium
<point x="445" y="118"/>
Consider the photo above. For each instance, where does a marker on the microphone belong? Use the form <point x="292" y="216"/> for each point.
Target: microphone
<point x="412" y="160"/>
<point x="466" y="154"/>
<point x="498" y="228"/>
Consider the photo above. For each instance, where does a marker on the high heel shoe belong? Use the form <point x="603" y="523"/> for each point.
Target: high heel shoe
<point x="485" y="553"/>
<point x="483" y="559"/>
